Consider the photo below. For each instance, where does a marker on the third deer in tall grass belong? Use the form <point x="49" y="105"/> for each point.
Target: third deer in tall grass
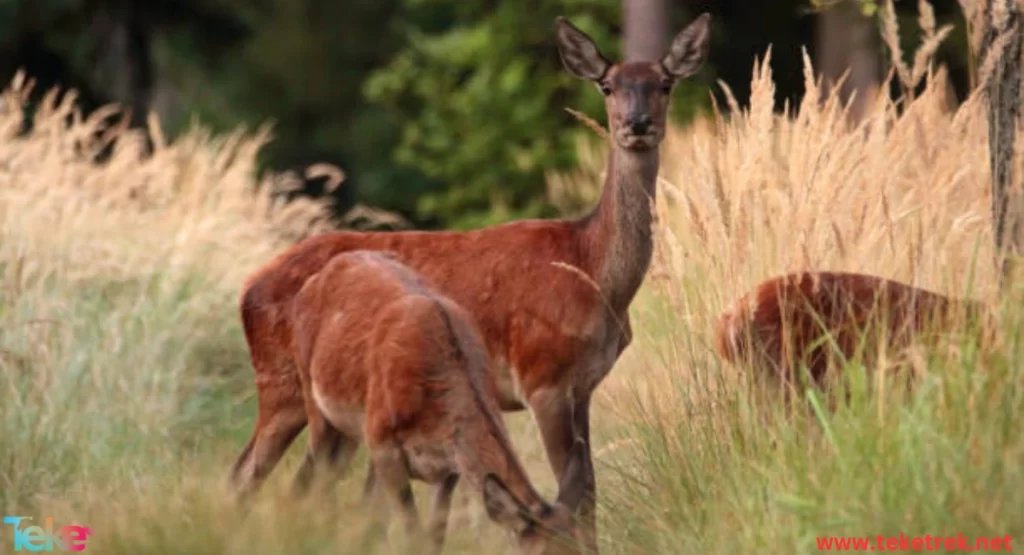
<point x="385" y="360"/>
<point x="811" y="318"/>
<point x="551" y="335"/>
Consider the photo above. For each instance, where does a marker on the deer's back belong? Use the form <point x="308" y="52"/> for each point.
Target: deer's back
<point x="505" y="276"/>
<point x="786" y="316"/>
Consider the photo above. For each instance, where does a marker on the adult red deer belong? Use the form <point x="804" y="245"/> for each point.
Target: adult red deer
<point x="782" y="322"/>
<point x="386" y="361"/>
<point x="550" y="334"/>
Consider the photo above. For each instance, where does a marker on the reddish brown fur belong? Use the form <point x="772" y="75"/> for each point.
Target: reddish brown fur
<point x="384" y="359"/>
<point x="782" y="320"/>
<point x="550" y="335"/>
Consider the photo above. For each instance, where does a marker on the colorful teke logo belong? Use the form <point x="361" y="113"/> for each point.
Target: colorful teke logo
<point x="37" y="538"/>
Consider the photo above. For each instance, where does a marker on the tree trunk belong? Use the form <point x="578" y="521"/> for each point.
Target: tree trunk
<point x="123" y="58"/>
<point x="645" y="29"/>
<point x="846" y="40"/>
<point x="1001" y="51"/>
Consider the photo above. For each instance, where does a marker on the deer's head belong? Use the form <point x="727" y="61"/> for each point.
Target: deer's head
<point x="541" y="528"/>
<point x="636" y="93"/>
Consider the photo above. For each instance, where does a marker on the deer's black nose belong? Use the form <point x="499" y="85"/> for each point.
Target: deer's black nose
<point x="639" y="125"/>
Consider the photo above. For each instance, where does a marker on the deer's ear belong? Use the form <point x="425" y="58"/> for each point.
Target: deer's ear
<point x="502" y="507"/>
<point x="688" y="50"/>
<point x="572" y="487"/>
<point x="578" y="52"/>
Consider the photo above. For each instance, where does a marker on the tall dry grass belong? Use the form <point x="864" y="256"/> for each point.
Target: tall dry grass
<point x="128" y="391"/>
<point x="689" y="463"/>
<point x="127" y="387"/>
<point x="187" y="206"/>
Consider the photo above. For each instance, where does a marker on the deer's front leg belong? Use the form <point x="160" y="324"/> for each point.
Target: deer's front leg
<point x="556" y="413"/>
<point x="552" y="409"/>
<point x="587" y="509"/>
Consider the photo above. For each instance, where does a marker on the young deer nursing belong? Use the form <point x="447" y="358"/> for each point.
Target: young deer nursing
<point x="783" y="321"/>
<point x="385" y="360"/>
<point x="551" y="336"/>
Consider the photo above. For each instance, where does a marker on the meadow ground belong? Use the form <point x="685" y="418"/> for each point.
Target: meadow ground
<point x="127" y="389"/>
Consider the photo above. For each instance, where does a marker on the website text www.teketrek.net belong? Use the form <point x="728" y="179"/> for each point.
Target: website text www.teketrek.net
<point x="959" y="542"/>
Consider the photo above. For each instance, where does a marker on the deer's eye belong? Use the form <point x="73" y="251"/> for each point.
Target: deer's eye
<point x="666" y="86"/>
<point x="605" y="89"/>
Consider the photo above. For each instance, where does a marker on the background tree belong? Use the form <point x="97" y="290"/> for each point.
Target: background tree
<point x="645" y="29"/>
<point x="1002" y="45"/>
<point x="107" y="48"/>
<point x="847" y="41"/>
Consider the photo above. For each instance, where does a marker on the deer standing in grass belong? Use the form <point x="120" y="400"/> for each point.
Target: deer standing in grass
<point x="806" y="318"/>
<point x="551" y="335"/>
<point x="385" y="360"/>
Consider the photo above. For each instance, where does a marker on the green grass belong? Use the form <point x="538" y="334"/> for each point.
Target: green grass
<point x="705" y="474"/>
<point x="126" y="403"/>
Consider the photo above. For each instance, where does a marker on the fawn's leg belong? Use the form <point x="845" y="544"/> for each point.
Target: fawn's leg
<point x="392" y="476"/>
<point x="438" y="526"/>
<point x="376" y="502"/>
<point x="328" y="449"/>
<point x="370" y="485"/>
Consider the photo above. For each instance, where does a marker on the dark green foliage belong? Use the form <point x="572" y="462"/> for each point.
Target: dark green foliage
<point x="481" y="91"/>
<point x="448" y="111"/>
<point x="303" y="68"/>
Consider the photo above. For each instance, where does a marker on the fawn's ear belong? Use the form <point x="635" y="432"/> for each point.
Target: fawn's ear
<point x="503" y="507"/>
<point x="688" y="50"/>
<point x="578" y="52"/>
<point x="572" y="487"/>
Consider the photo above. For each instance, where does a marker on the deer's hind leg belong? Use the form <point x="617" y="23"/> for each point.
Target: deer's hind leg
<point x="281" y="411"/>
<point x="329" y="449"/>
<point x="280" y="421"/>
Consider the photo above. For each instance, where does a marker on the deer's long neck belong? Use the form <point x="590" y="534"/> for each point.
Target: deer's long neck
<point x="484" y="452"/>
<point x="619" y="229"/>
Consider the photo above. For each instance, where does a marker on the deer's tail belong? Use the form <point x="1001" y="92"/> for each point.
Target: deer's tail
<point x="729" y="330"/>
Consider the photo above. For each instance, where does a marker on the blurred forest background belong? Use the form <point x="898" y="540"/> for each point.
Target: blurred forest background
<point x="448" y="112"/>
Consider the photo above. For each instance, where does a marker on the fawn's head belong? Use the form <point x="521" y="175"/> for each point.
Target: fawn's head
<point x="636" y="93"/>
<point x="541" y="528"/>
